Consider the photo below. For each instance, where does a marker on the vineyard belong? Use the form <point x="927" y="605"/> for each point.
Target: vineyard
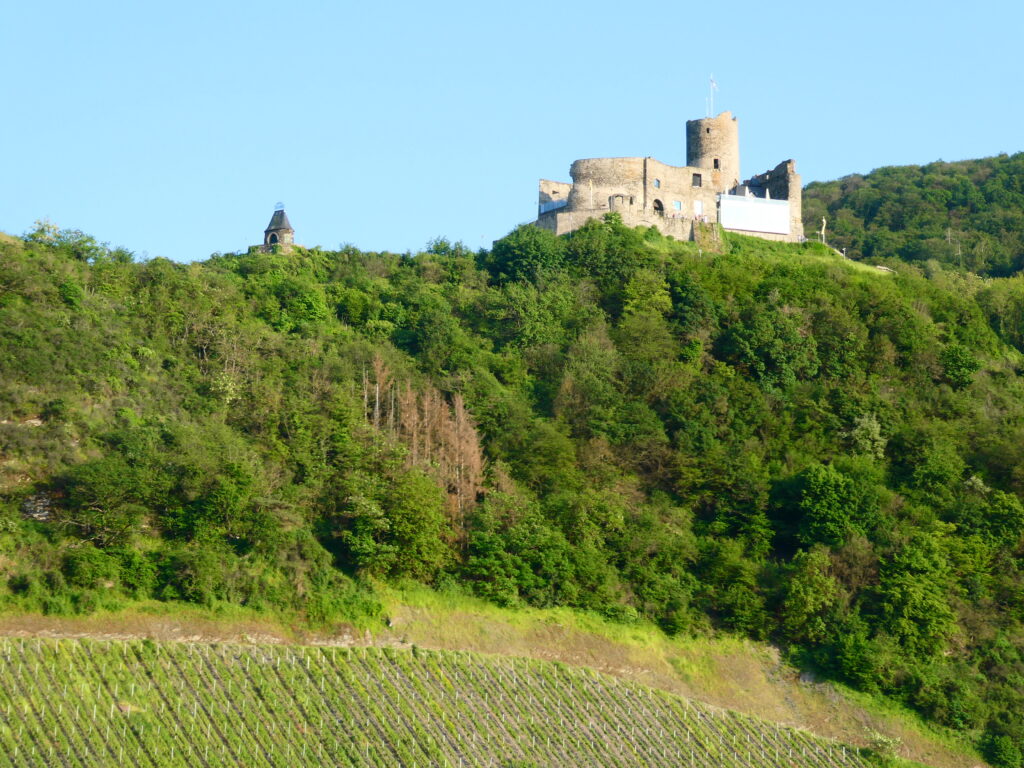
<point x="139" y="704"/>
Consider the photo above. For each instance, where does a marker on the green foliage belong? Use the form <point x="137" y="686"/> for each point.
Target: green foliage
<point x="137" y="573"/>
<point x="958" y="365"/>
<point x="72" y="242"/>
<point x="87" y="566"/>
<point x="71" y="293"/>
<point x="1002" y="751"/>
<point x="104" y="500"/>
<point x="884" y="749"/>
<point x="966" y="214"/>
<point x="1003" y="520"/>
<point x="826" y="501"/>
<point x="300" y="304"/>
<point x="913" y="595"/>
<point x="772" y="441"/>
<point x="525" y="254"/>
<point x="773" y="347"/>
<point x="811" y="597"/>
<point x="392" y="524"/>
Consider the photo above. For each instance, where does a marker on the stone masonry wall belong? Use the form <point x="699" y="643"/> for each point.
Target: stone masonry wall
<point x="714" y="138"/>
<point x="562" y="222"/>
<point x="551" y="191"/>
<point x="638" y="184"/>
<point x="679" y="184"/>
<point x="595" y="181"/>
<point x="647" y="192"/>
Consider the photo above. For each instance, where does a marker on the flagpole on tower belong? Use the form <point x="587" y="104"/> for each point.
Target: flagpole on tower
<point x="712" y="87"/>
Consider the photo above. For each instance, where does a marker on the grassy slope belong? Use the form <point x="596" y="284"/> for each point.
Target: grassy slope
<point x="731" y="673"/>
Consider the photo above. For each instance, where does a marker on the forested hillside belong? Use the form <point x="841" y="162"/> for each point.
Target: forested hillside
<point x="768" y="441"/>
<point x="969" y="214"/>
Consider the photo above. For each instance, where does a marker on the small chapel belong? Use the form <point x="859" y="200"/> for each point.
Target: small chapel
<point x="279" y="233"/>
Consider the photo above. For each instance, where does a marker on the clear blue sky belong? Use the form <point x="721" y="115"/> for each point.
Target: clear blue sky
<point x="172" y="129"/>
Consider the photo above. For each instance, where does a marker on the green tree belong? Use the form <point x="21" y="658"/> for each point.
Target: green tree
<point x="912" y="594"/>
<point x="394" y="525"/>
<point x="1002" y="751"/>
<point x="827" y="506"/>
<point x="958" y="365"/>
<point x="811" y="597"/>
<point x="525" y="253"/>
<point x="772" y="346"/>
<point x="103" y="501"/>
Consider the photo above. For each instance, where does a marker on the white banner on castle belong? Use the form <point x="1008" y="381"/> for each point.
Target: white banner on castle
<point x="754" y="214"/>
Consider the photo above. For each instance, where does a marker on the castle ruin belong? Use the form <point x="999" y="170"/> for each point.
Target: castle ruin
<point x="678" y="200"/>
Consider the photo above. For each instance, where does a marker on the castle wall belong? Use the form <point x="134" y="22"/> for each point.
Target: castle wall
<point x="552" y="195"/>
<point x="689" y="186"/>
<point x="596" y="181"/>
<point x="639" y="185"/>
<point x="563" y="222"/>
<point x="647" y="192"/>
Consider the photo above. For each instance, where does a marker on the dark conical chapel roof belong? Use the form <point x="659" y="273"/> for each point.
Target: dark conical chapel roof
<point x="279" y="221"/>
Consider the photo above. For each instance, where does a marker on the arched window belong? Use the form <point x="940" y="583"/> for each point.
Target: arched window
<point x="273" y="238"/>
<point x="659" y="209"/>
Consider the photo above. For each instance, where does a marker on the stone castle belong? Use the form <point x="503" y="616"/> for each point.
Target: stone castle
<point x="680" y="200"/>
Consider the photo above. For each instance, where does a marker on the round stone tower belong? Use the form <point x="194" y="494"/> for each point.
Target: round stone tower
<point x="279" y="231"/>
<point x="714" y="143"/>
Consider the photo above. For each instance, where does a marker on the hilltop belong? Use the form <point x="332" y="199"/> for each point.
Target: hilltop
<point x="968" y="214"/>
<point x="765" y="442"/>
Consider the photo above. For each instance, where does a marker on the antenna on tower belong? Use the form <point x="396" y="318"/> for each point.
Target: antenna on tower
<point x="279" y="207"/>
